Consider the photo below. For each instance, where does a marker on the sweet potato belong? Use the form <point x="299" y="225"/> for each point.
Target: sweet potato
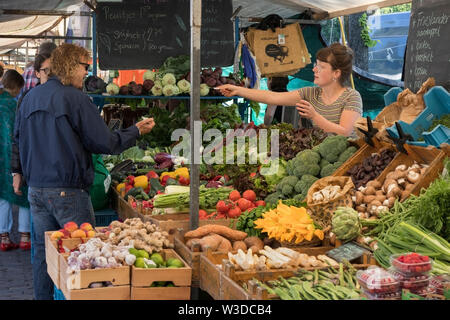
<point x="230" y="234"/>
<point x="225" y="245"/>
<point x="239" y="245"/>
<point x="254" y="242"/>
<point x="211" y="241"/>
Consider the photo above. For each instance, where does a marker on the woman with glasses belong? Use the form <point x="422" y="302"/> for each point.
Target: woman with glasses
<point x="331" y="106"/>
<point x="57" y="129"/>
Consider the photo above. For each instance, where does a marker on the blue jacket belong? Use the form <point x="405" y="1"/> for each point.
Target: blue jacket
<point x="57" y="129"/>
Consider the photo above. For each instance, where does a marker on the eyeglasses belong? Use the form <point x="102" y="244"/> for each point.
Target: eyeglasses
<point x="319" y="68"/>
<point x="46" y="70"/>
<point x="86" y="65"/>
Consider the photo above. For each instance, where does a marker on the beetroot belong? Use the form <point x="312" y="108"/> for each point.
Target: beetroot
<point x="124" y="90"/>
<point x="136" y="90"/>
<point x="211" y="82"/>
<point x="148" y="85"/>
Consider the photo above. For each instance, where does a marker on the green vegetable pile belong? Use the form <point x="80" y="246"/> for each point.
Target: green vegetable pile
<point x="329" y="284"/>
<point x="310" y="165"/>
<point x="219" y="116"/>
<point x="444" y="120"/>
<point x="208" y="198"/>
<point x="346" y="224"/>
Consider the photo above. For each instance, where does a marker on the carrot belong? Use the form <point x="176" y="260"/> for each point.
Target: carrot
<point x="224" y="231"/>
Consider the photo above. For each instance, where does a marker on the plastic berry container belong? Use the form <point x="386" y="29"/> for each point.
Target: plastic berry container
<point x="412" y="283"/>
<point x="411" y="263"/>
<point x="424" y="291"/>
<point x="383" y="296"/>
<point x="377" y="281"/>
<point x="440" y="282"/>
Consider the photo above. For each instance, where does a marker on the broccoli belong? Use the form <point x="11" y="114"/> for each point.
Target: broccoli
<point x="347" y="154"/>
<point x="308" y="157"/>
<point x="327" y="170"/>
<point x="290" y="167"/>
<point x="273" y="198"/>
<point x="287" y="190"/>
<point x="304" y="184"/>
<point x="323" y="163"/>
<point x="299" y="197"/>
<point x="302" y="169"/>
<point x="315" y="149"/>
<point x="331" y="148"/>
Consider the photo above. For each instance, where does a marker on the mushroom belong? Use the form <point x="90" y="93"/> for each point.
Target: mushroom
<point x="359" y="197"/>
<point x="402" y="182"/>
<point x="374" y="183"/>
<point x="409" y="187"/>
<point x="401" y="167"/>
<point x="369" y="191"/>
<point x="361" y="209"/>
<point x="394" y="192"/>
<point x="380" y="198"/>
<point x="388" y="184"/>
<point x="379" y="193"/>
<point x="405" y="194"/>
<point x="413" y="176"/>
<point x="391" y="202"/>
<point x="369" y="199"/>
<point x="423" y="170"/>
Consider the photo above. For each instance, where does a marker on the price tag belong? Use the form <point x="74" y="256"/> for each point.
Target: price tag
<point x="349" y="251"/>
<point x="281" y="39"/>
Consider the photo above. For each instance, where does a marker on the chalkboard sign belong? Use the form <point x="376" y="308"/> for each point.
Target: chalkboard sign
<point x="141" y="34"/>
<point x="428" y="48"/>
<point x="349" y="251"/>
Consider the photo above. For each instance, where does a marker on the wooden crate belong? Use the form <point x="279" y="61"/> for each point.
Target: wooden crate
<point x="105" y="293"/>
<point x="192" y="258"/>
<point x="231" y="290"/>
<point x="83" y="278"/>
<point x="364" y="152"/>
<point x="211" y="272"/>
<point x="123" y="208"/>
<point x="180" y="277"/>
<point x="163" y="293"/>
<point x="52" y="259"/>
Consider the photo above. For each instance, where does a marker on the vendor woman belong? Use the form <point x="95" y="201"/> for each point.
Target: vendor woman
<point x="331" y="106"/>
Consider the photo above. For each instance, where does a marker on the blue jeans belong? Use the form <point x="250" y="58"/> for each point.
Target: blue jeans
<point x="6" y="218"/>
<point x="51" y="209"/>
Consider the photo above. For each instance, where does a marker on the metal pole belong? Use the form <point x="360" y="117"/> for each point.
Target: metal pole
<point x="94" y="44"/>
<point x="26" y="55"/>
<point x="344" y="42"/>
<point x="196" y="25"/>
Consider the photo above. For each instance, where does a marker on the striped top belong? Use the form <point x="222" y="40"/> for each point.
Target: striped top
<point x="350" y="99"/>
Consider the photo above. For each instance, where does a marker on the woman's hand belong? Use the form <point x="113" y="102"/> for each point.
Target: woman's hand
<point x="17" y="183"/>
<point x="145" y="126"/>
<point x="306" y="110"/>
<point x="228" y="90"/>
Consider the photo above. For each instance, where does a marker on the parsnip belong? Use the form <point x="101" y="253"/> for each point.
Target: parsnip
<point x="288" y="252"/>
<point x="324" y="258"/>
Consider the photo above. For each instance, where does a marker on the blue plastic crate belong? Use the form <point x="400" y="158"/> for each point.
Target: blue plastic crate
<point x="437" y="104"/>
<point x="57" y="294"/>
<point x="104" y="217"/>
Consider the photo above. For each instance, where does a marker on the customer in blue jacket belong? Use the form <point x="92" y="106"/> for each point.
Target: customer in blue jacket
<point x="57" y="129"/>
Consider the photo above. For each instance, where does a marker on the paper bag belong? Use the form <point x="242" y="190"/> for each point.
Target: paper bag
<point x="322" y="212"/>
<point x="282" y="52"/>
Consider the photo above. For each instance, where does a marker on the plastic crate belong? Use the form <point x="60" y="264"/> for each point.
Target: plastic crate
<point x="57" y="294"/>
<point x="104" y="217"/>
<point x="437" y="104"/>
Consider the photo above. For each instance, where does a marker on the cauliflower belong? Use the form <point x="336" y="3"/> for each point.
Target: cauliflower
<point x="169" y="78"/>
<point x="170" y="90"/>
<point x="149" y="75"/>
<point x="331" y="148"/>
<point x="204" y="89"/>
<point x="347" y="153"/>
<point x="112" y="88"/>
<point x="157" y="89"/>
<point x="184" y="86"/>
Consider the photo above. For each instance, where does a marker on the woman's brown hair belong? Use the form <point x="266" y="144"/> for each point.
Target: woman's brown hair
<point x="340" y="57"/>
<point x="65" y="60"/>
<point x="12" y="80"/>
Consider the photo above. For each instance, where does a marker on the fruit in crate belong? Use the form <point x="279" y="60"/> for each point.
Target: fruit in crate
<point x="70" y="226"/>
<point x="86" y="226"/>
<point x="57" y="235"/>
<point x="78" y="234"/>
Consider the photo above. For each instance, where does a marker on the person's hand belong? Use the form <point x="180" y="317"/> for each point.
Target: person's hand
<point x="228" y="90"/>
<point x="306" y="110"/>
<point x="17" y="183"/>
<point x="145" y="126"/>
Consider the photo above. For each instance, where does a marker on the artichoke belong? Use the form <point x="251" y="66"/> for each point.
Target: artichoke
<point x="345" y="224"/>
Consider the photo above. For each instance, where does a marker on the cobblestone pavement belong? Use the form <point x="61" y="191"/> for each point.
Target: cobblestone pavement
<point x="16" y="280"/>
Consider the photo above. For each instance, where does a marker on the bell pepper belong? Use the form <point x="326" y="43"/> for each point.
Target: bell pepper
<point x="129" y="180"/>
<point x="182" y="172"/>
<point x="183" y="181"/>
<point x="120" y="186"/>
<point x="170" y="174"/>
<point x="165" y="178"/>
<point x="152" y="174"/>
<point x="141" y="181"/>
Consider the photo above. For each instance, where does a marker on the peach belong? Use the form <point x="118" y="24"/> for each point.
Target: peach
<point x="57" y="235"/>
<point x="65" y="233"/>
<point x="78" y="234"/>
<point x="90" y="233"/>
<point x="86" y="226"/>
<point x="71" y="226"/>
